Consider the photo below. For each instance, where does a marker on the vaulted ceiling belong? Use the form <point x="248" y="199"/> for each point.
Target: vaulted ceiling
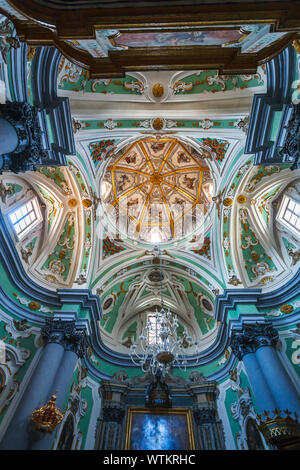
<point x="155" y="150"/>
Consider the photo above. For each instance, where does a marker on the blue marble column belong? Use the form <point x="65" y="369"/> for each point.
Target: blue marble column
<point x="272" y="387"/>
<point x="64" y="343"/>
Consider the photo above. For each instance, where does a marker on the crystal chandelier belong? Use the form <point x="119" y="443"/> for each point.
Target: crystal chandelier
<point x="160" y="347"/>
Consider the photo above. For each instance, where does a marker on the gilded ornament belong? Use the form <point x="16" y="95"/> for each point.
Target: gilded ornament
<point x="241" y="199"/>
<point x="72" y="203"/>
<point x="227" y="202"/>
<point x="47" y="417"/>
<point x="267" y="279"/>
<point x="34" y="305"/>
<point x="158" y="90"/>
<point x="234" y="280"/>
<point x="86" y="203"/>
<point x="287" y="308"/>
<point x="50" y="278"/>
<point x="158" y="124"/>
<point x="30" y="52"/>
<point x="296" y="45"/>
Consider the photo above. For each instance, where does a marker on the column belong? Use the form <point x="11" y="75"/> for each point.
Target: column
<point x="209" y="426"/>
<point x="54" y="371"/>
<point x="244" y="348"/>
<point x="35" y="395"/>
<point x="110" y="424"/>
<point x="283" y="390"/>
<point x="271" y="384"/>
<point x="75" y="344"/>
<point x="8" y="137"/>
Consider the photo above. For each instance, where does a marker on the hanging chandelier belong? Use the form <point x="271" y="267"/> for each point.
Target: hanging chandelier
<point x="160" y="346"/>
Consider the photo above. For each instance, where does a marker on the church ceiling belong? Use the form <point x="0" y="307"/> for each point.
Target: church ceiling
<point x="73" y="247"/>
<point x="153" y="87"/>
<point x="125" y="302"/>
<point x="54" y="250"/>
<point x="153" y="149"/>
<point x="154" y="187"/>
<point x="128" y="40"/>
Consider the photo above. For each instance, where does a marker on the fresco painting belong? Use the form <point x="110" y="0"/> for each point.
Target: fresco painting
<point x="176" y="38"/>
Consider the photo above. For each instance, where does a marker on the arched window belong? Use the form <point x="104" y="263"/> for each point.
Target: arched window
<point x="154" y="329"/>
<point x="25" y="217"/>
<point x="289" y="214"/>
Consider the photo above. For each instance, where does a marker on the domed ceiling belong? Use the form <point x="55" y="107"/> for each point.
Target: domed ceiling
<point x="158" y="190"/>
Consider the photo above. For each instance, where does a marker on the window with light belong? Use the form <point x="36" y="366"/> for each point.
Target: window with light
<point x="25" y="217"/>
<point x="153" y="330"/>
<point x="289" y="214"/>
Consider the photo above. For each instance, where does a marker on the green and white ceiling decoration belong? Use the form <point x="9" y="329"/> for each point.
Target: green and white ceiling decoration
<point x="57" y="250"/>
<point x="73" y="81"/>
<point x="203" y="118"/>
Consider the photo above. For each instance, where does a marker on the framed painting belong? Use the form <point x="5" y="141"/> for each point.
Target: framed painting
<point x="159" y="429"/>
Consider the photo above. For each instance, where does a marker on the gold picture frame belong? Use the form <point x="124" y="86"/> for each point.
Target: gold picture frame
<point x="138" y="416"/>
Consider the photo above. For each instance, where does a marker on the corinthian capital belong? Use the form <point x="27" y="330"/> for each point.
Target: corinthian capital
<point x="253" y="337"/>
<point x="66" y="333"/>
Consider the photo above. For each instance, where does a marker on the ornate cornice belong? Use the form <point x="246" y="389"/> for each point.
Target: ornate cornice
<point x="280" y="76"/>
<point x="45" y="27"/>
<point x="253" y="337"/>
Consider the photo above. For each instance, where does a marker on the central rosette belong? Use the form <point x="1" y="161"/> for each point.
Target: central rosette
<point x="156" y="178"/>
<point x="158" y="190"/>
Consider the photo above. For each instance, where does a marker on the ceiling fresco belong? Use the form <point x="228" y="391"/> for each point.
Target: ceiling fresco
<point x="183" y="38"/>
<point x="247" y="39"/>
<point x="158" y="190"/>
<point x="117" y="38"/>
